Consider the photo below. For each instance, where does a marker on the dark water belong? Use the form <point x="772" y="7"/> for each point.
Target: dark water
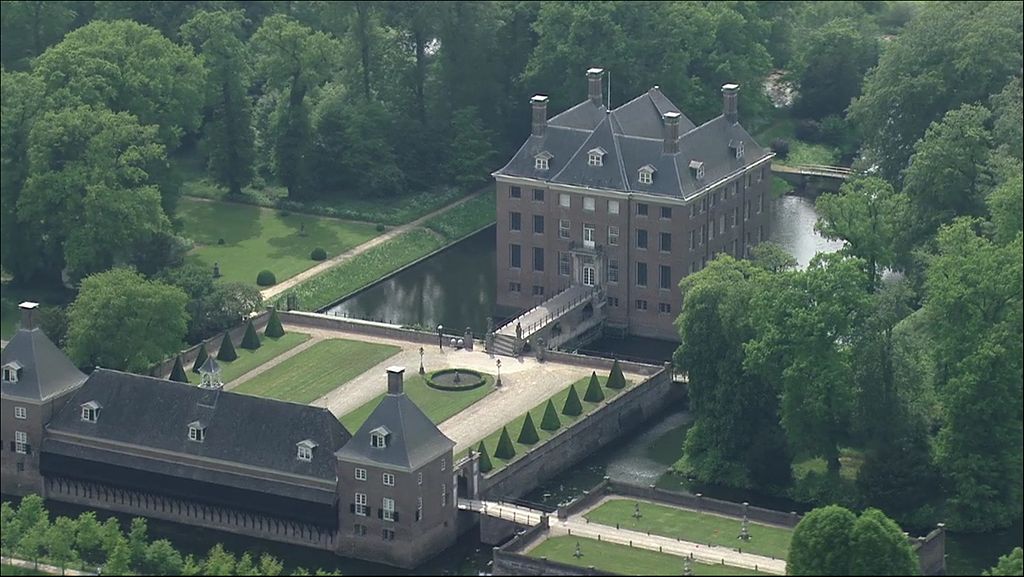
<point x="792" y="227"/>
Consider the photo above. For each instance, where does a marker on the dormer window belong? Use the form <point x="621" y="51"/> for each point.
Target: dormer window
<point x="379" y="437"/>
<point x="697" y="169"/>
<point x="540" y="162"/>
<point x="646" y="174"/>
<point x="196" y="431"/>
<point x="595" y="157"/>
<point x="91" y="411"/>
<point x="305" y="450"/>
<point x="11" y="372"/>
<point x="737" y="148"/>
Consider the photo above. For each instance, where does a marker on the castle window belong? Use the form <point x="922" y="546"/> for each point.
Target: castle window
<point x="540" y="162"/>
<point x="21" y="442"/>
<point x="737" y="148"/>
<point x="389" y="534"/>
<point x="646" y="174"/>
<point x="91" y="411"/>
<point x="419" y="478"/>
<point x="379" y="437"/>
<point x="20" y="413"/>
<point x="697" y="169"/>
<point x="595" y="157"/>
<point x="419" y="508"/>
<point x="305" y="450"/>
<point x="442" y="464"/>
<point x="196" y="432"/>
<point x="360" y="474"/>
<point x="444" y="495"/>
<point x="613" y="207"/>
<point x="388" y="479"/>
<point x="589" y="203"/>
<point x="359" y="508"/>
<point x="11" y="372"/>
<point x="388" y="509"/>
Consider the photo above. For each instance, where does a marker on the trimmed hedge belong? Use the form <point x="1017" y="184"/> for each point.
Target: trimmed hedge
<point x="227" y="349"/>
<point x="485" y="459"/>
<point x="178" y="372"/>
<point x="251" y="340"/>
<point x="505" y="449"/>
<point x="201" y="357"/>
<point x="528" y="434"/>
<point x="616" y="380"/>
<point x="594" y="393"/>
<point x="274" y="329"/>
<point x="266" y="278"/>
<point x="472" y="380"/>
<point x="318" y="254"/>
<point x="550" y="420"/>
<point x="572" y="407"/>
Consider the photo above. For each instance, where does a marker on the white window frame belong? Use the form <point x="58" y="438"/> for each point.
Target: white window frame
<point x="20" y="442"/>
<point x="304" y="453"/>
<point x="378" y="441"/>
<point x="564" y="228"/>
<point x="564" y="200"/>
<point x="419" y="508"/>
<point x="613" y="207"/>
<point x="388" y="479"/>
<point x="540" y="163"/>
<point x="564" y="264"/>
<point x="595" y="159"/>
<point x="444" y="495"/>
<point x="589" y="203"/>
<point x="645" y="177"/>
<point x="589" y="231"/>
<point x="196" y="434"/>
<point x="613" y="235"/>
<point x="361" y="504"/>
<point x="589" y="275"/>
<point x="360" y="474"/>
<point x="387" y="507"/>
<point x="10" y="375"/>
<point x="20" y="412"/>
<point x="89" y="414"/>
<point x="613" y="271"/>
<point x="739" y="150"/>
<point x="419" y="478"/>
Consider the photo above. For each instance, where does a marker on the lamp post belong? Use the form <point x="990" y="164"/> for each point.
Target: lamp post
<point x="497" y="384"/>
<point x="636" y="512"/>
<point x="421" y="361"/>
<point x="440" y="337"/>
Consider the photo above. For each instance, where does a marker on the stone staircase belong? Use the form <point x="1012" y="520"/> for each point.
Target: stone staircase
<point x="504" y="345"/>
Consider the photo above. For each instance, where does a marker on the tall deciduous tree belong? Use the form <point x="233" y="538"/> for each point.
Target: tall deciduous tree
<point x="470" y="155"/>
<point x="1006" y="207"/>
<point x="830" y="65"/>
<point x="123" y="321"/>
<point x="1010" y="564"/>
<point x="879" y="547"/>
<point x="28" y="28"/>
<point x="821" y="542"/>
<point x="229" y="136"/>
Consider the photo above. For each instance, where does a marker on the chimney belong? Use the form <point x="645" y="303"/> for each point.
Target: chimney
<point x="540" y="114"/>
<point x="594" y="89"/>
<point x="729" y="94"/>
<point x="395" y="386"/>
<point x="671" y="131"/>
<point x="28" y="310"/>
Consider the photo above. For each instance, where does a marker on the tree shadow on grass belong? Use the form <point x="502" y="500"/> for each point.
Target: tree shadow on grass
<point x="208" y="222"/>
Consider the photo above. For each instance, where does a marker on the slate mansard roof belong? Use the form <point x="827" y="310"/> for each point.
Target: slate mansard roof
<point x="632" y="137"/>
<point x="142" y="413"/>
<point x="45" y="370"/>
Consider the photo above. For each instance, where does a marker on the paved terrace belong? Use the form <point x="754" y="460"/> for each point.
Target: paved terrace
<point x="525" y="382"/>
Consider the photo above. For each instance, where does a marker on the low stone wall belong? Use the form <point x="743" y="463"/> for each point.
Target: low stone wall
<point x="931" y="551"/>
<point x="620" y="415"/>
<point x="382" y="330"/>
<point x="727" y="508"/>
<point x="188" y="356"/>
<point x="604" y="363"/>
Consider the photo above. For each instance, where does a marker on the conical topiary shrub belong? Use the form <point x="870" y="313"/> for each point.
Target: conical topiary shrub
<point x="200" y="358"/>
<point x="528" y="434"/>
<point x="178" y="372"/>
<point x="251" y="340"/>
<point x="227" y="349"/>
<point x="485" y="459"/>
<point x="274" y="329"/>
<point x="616" y="380"/>
<point x="572" y="407"/>
<point x="594" y="393"/>
<point x="550" y="421"/>
<point x="505" y="450"/>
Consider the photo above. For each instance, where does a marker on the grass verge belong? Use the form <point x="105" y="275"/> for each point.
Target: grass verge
<point x="466" y="218"/>
<point x="438" y="405"/>
<point x="623" y="559"/>
<point x="248" y="360"/>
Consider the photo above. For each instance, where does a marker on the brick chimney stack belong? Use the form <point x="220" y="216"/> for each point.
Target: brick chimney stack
<point x="671" y="132"/>
<point x="595" y="90"/>
<point x="729" y="109"/>
<point x="395" y="376"/>
<point x="540" y="114"/>
<point x="28" y="310"/>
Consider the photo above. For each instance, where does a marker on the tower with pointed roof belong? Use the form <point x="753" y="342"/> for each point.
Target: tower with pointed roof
<point x="396" y="500"/>
<point x="36" y="381"/>
<point x="629" y="199"/>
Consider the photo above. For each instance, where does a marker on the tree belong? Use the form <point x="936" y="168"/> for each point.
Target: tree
<point x="178" y="371"/>
<point x="830" y="64"/>
<point x="119" y="559"/>
<point x="89" y="538"/>
<point x="528" y="434"/>
<point x="251" y="340"/>
<point x="60" y="542"/>
<point x="295" y="59"/>
<point x="269" y="565"/>
<point x="219" y="562"/>
<point x="33" y="542"/>
<point x="111" y="536"/>
<point x="245" y="565"/>
<point x="11" y="533"/>
<point x="90" y="198"/>
<point x="594" y="394"/>
<point x="572" y="406"/>
<point x="616" y="380"/>
<point x="1010" y="564"/>
<point x="821" y="543"/>
<point x="878" y="547"/>
<point x="772" y="257"/>
<point x="274" y="330"/>
<point x="915" y="83"/>
<point x="550" y="420"/>
<point x="31" y="511"/>
<point x="871" y="217"/>
<point x="1007" y="108"/>
<point x="229" y="132"/>
<point x="163" y="559"/>
<point x="470" y="154"/>
<point x="201" y="358"/>
<point x="485" y="459"/>
<point x="126" y="67"/>
<point x="505" y="449"/>
<point x="122" y="321"/>
<point x="138" y="541"/>
<point x="973" y="305"/>
<point x="192" y="567"/>
<point x="1006" y="206"/>
<point x="226" y="352"/>
<point x="28" y="28"/>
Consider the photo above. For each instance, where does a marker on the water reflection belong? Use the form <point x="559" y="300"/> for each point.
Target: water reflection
<point x="792" y="227"/>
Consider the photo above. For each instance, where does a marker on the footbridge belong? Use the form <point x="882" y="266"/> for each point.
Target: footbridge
<point x="502" y="510"/>
<point x="818" y="177"/>
<point x="563" y="317"/>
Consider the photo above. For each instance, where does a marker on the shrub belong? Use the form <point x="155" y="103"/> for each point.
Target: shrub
<point x="227" y="349"/>
<point x="594" y="393"/>
<point x="616" y="380"/>
<point x="485" y="459"/>
<point x="807" y="130"/>
<point x="251" y="340"/>
<point x="505" y="450"/>
<point x="200" y="358"/>
<point x="572" y="406"/>
<point x="780" y="147"/>
<point x="528" y="434"/>
<point x="550" y="420"/>
<point x="178" y="372"/>
<point x="220" y="241"/>
<point x="284" y="213"/>
<point x="318" y="254"/>
<point x="266" y="278"/>
<point x="274" y="329"/>
<point x="380" y="227"/>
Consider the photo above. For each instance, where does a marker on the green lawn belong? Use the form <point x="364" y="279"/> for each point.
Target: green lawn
<point x="438" y="405"/>
<point x="466" y="218"/>
<point x="249" y="360"/>
<point x="369" y="267"/>
<point x="800" y="152"/>
<point x="317" y="370"/>
<point x="258" y="238"/>
<point x="6" y="569"/>
<point x="623" y="559"/>
<point x="516" y="424"/>
<point x="692" y="526"/>
<point x="850" y="461"/>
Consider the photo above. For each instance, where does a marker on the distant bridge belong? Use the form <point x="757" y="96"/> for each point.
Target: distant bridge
<point x="503" y="510"/>
<point x="813" y="178"/>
